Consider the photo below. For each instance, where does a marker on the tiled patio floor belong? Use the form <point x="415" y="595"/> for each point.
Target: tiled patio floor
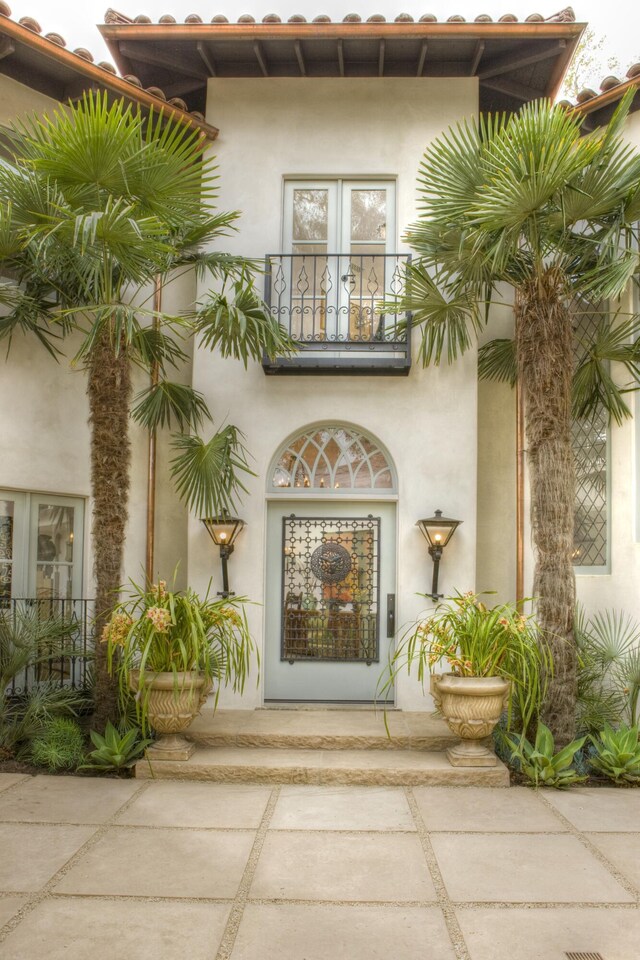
<point x="161" y="870"/>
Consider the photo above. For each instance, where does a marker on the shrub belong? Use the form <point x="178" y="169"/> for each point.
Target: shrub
<point x="608" y="669"/>
<point x="60" y="746"/>
<point x="115" y="751"/>
<point x="541" y="765"/>
<point x="617" y="754"/>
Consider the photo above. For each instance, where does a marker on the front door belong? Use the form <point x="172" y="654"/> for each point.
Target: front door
<point x="330" y="599"/>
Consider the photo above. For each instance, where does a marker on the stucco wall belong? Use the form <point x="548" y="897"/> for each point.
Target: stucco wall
<point x="18" y="101"/>
<point x="273" y="128"/>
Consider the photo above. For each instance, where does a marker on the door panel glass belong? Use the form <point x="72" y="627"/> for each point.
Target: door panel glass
<point x="310" y="283"/>
<point x="310" y="214"/>
<point x="367" y="287"/>
<point x="330" y="589"/>
<point x="369" y="215"/>
<point x="7" y="516"/>
<point x="54" y="552"/>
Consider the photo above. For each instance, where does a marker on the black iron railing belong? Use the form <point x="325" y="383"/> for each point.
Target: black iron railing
<point x="332" y="305"/>
<point x="70" y="670"/>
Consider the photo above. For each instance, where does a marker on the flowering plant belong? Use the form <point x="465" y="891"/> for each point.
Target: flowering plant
<point x="157" y="630"/>
<point x="476" y="640"/>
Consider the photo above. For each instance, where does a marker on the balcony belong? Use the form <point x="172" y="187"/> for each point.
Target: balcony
<point x="330" y="304"/>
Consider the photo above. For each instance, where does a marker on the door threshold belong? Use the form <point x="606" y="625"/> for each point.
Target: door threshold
<point x="327" y="705"/>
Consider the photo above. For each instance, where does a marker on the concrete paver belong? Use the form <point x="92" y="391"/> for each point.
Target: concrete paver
<point x="623" y="850"/>
<point x="73" y="928"/>
<point x="136" y="861"/>
<point x="342" y="808"/>
<point x="273" y="872"/>
<point x="338" y="866"/>
<point x="51" y="800"/>
<point x="8" y="779"/>
<point x="480" y="809"/>
<point x="32" y="853"/>
<point x="547" y="934"/>
<point x="318" y="932"/>
<point x="184" y="804"/>
<point x="598" y="808"/>
<point x="523" y="868"/>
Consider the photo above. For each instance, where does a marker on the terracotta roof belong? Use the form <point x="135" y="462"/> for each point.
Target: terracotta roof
<point x="42" y="62"/>
<point x="599" y="106"/>
<point x="515" y="61"/>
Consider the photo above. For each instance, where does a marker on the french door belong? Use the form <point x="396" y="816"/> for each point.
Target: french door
<point x="339" y="236"/>
<point x="330" y="608"/>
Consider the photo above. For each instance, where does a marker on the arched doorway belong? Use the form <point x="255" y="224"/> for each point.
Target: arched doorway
<point x="331" y="562"/>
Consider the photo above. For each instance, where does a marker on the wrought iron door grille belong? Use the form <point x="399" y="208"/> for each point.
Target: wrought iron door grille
<point x="330" y="588"/>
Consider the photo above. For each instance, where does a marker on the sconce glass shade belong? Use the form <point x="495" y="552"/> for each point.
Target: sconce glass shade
<point x="223" y="530"/>
<point x="438" y="530"/>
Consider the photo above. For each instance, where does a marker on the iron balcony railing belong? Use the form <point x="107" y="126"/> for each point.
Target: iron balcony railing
<point x="332" y="305"/>
<point x="70" y="670"/>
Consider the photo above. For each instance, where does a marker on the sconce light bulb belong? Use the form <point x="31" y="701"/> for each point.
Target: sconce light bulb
<point x="223" y="536"/>
<point x="437" y="537"/>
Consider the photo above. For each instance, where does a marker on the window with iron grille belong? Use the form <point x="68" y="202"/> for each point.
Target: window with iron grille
<point x="590" y="439"/>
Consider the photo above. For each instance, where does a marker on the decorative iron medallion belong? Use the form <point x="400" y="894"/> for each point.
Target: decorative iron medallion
<point x="330" y="562"/>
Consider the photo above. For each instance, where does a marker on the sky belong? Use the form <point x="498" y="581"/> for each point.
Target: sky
<point x="617" y="21"/>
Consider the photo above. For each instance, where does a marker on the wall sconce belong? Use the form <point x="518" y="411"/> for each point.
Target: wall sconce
<point x="224" y="531"/>
<point x="437" y="531"/>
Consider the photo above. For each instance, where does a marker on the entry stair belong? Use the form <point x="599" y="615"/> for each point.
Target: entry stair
<point x="321" y="746"/>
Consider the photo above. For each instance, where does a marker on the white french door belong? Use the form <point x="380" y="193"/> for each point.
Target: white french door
<point x="338" y="234"/>
<point x="330" y="599"/>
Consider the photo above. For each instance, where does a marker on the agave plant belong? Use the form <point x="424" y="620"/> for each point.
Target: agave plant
<point x="617" y="754"/>
<point x="115" y="751"/>
<point x="540" y="763"/>
<point x="30" y="641"/>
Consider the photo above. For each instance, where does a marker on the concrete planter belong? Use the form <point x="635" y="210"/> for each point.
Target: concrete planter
<point x="170" y="708"/>
<point x="471" y="707"/>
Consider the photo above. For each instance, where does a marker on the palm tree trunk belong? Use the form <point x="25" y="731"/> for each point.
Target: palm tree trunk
<point x="109" y="390"/>
<point x="545" y="363"/>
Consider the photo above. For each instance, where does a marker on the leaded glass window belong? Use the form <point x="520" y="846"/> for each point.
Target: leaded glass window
<point x="590" y="440"/>
<point x="335" y="458"/>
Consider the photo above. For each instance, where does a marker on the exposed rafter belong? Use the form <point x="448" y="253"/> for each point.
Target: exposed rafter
<point x="141" y="53"/>
<point x="300" y="58"/>
<point x="381" y="58"/>
<point x="512" y="89"/>
<point x="7" y="47"/>
<point x="340" y="58"/>
<point x="260" y="57"/>
<point x="422" y="58"/>
<point x="511" y="62"/>
<point x="207" y="59"/>
<point x="476" y="58"/>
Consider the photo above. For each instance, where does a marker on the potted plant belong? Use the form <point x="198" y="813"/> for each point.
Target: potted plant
<point x="172" y="648"/>
<point x="496" y="657"/>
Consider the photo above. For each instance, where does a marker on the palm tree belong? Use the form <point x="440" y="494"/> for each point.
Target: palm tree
<point x="99" y="204"/>
<point x="525" y="200"/>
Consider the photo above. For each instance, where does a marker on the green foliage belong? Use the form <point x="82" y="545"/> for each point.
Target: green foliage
<point x="541" y="765"/>
<point x="60" y="745"/>
<point x="115" y="751"/>
<point x="207" y="475"/>
<point x="161" y="631"/>
<point x="617" y="754"/>
<point x="28" y="639"/>
<point x="608" y="669"/>
<point x="476" y="641"/>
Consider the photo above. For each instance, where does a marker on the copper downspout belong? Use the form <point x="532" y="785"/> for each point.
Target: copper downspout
<point x="519" y="493"/>
<point x="151" y="467"/>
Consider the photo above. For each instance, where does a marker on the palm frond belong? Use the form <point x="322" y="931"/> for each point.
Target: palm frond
<point x="208" y="476"/>
<point x="497" y="361"/>
<point x="164" y="403"/>
<point x="594" y="388"/>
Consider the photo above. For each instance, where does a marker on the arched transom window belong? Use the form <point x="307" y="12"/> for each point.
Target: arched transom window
<point x="335" y="458"/>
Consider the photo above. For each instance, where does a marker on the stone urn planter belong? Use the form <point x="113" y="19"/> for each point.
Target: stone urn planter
<point x="471" y="707"/>
<point x="172" y="703"/>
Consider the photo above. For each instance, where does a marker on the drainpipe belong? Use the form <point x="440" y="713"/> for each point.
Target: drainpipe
<point x="151" y="461"/>
<point x="519" y="493"/>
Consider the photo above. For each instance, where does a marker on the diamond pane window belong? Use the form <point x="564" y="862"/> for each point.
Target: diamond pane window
<point x="590" y="450"/>
<point x="333" y="458"/>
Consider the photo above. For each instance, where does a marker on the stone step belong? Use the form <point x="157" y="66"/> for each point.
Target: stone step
<point x="361" y="767"/>
<point x="329" y="729"/>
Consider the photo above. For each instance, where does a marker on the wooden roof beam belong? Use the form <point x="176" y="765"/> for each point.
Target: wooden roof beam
<point x="381" y="59"/>
<point x="7" y="47"/>
<point x="422" y="58"/>
<point x="476" y="58"/>
<point x="206" y="58"/>
<point x="260" y="57"/>
<point x="142" y="53"/>
<point x="516" y="61"/>
<point x="297" y="46"/>
<point x="513" y="89"/>
<point x="340" y="58"/>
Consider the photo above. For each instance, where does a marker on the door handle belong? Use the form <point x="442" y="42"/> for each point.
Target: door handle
<point x="391" y="614"/>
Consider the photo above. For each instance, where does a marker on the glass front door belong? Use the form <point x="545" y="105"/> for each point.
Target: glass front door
<point x="330" y="581"/>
